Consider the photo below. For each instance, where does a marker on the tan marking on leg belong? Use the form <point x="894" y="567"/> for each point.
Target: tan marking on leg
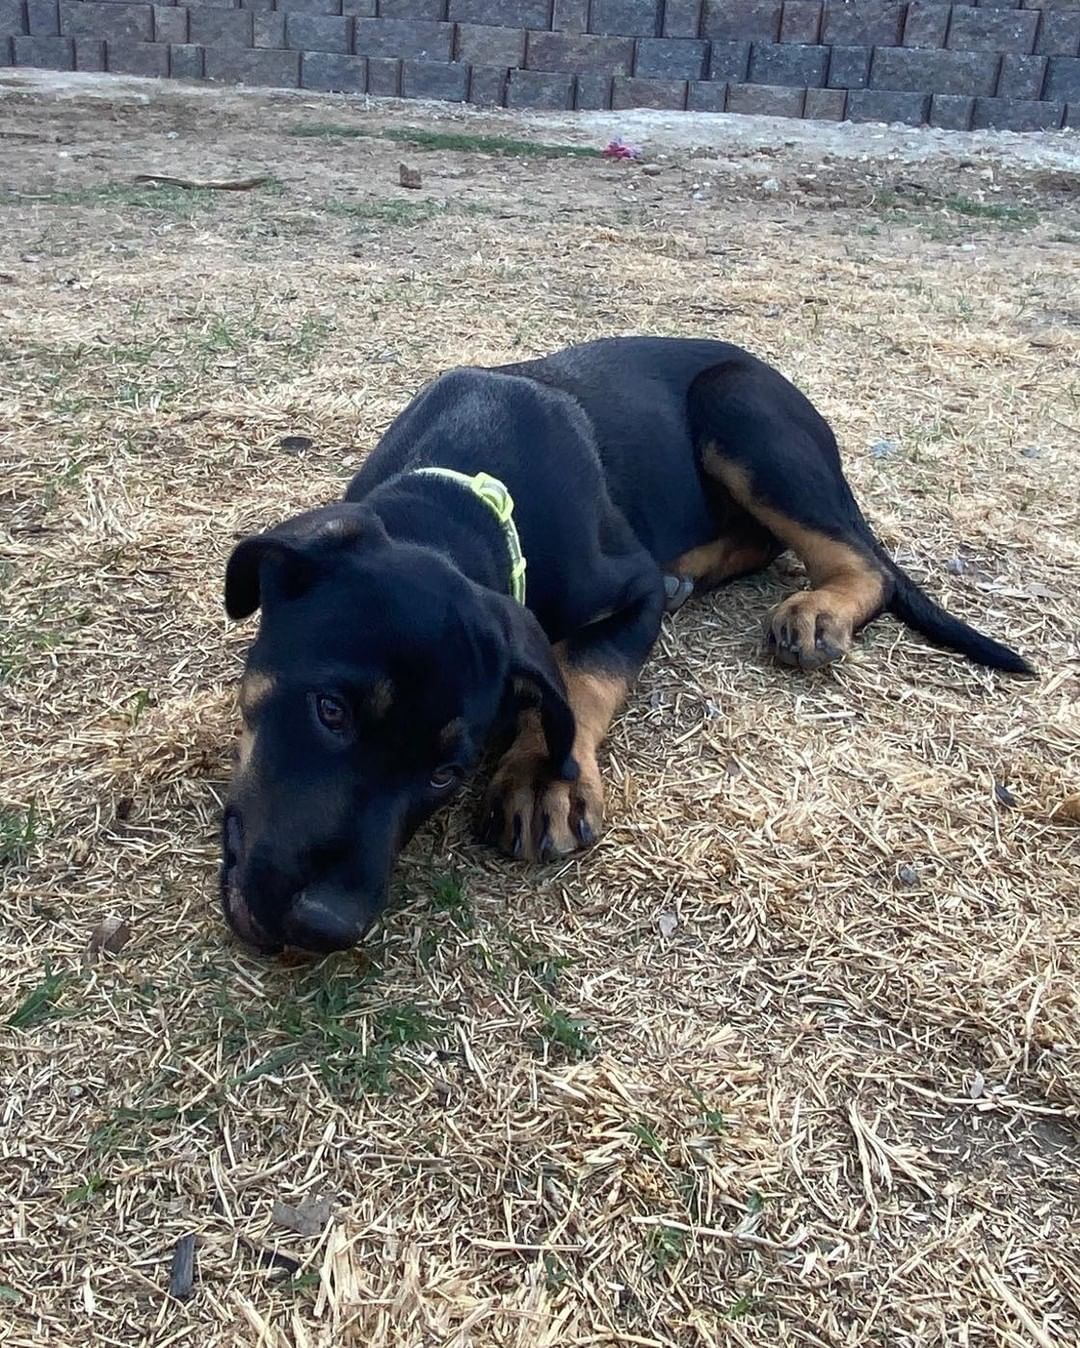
<point x="244" y="749"/>
<point x="848" y="588"/>
<point x="724" y="559"/>
<point x="528" y="814"/>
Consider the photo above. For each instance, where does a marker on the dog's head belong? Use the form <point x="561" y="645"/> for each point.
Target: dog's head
<point x="377" y="675"/>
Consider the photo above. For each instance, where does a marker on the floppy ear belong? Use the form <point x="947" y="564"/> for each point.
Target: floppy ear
<point x="536" y="679"/>
<point x="256" y="565"/>
<point x="283" y="560"/>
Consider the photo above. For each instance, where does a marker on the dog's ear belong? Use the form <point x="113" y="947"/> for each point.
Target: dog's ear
<point x="536" y="681"/>
<point x="283" y="561"/>
<point x="261" y="564"/>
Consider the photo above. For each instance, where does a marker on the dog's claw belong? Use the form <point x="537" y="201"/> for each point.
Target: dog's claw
<point x="677" y="590"/>
<point x="585" y="832"/>
<point x="516" y="846"/>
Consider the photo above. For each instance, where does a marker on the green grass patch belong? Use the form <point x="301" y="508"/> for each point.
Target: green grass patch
<point x="667" y="1245"/>
<point x="391" y="212"/>
<point x="18" y="833"/>
<point x="989" y="210"/>
<point x="40" y="1003"/>
<point x="449" y="142"/>
<point x="568" y="1036"/>
<point x="166" y="198"/>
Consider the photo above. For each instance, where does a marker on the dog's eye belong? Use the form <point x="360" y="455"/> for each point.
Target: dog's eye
<point x="442" y="779"/>
<point x="332" y="712"/>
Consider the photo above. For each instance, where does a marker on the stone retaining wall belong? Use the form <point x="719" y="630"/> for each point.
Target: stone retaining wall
<point x="957" y="65"/>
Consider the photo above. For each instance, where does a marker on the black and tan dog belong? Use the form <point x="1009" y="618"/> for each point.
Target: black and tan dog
<point x="391" y="645"/>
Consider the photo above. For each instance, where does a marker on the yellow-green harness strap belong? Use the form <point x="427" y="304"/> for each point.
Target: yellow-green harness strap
<point x="497" y="498"/>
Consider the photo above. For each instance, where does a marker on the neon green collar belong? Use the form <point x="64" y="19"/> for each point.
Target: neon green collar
<point x="495" y="496"/>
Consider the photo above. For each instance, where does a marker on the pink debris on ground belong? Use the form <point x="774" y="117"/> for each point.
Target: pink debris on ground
<point x="618" y="149"/>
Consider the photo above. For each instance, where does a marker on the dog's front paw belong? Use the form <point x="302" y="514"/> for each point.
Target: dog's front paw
<point x="805" y="630"/>
<point x="529" y="814"/>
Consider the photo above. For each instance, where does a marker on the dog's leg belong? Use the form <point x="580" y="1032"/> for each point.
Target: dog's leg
<point x="526" y="813"/>
<point x="746" y="547"/>
<point x="776" y="458"/>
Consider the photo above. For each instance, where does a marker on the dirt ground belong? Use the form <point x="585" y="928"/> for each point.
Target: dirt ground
<point x="792" y="1056"/>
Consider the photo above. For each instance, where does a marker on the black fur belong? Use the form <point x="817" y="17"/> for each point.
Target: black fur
<point x="403" y="586"/>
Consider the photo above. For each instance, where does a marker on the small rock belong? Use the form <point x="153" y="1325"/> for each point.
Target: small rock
<point x="182" y="1272"/>
<point x="295" y="444"/>
<point x="881" y="449"/>
<point x="1004" y="796"/>
<point x="908" y="876"/>
<point x="956" y="566"/>
<point x="111" y="935"/>
<point x="409" y="177"/>
<point x="771" y="185"/>
<point x="652" y="170"/>
<point x="667" y="924"/>
<point x="1031" y="452"/>
<point x="305" y="1219"/>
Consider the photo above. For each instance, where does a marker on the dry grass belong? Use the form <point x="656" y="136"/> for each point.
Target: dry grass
<point x="792" y="1057"/>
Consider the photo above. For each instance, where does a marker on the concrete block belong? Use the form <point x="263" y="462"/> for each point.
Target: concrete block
<point x="670" y="58"/>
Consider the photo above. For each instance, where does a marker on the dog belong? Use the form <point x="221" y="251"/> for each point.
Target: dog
<point x="502" y="561"/>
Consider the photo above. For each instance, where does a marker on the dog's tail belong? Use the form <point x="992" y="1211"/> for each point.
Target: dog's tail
<point x="919" y="611"/>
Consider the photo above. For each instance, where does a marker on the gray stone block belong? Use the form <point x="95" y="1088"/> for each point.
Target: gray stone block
<point x="849" y="67"/>
<point x="186" y="62"/>
<point x="45" y="53"/>
<point x="742" y="20"/>
<point x="863" y="23"/>
<point x="628" y="92"/>
<point x="333" y="73"/>
<point x="1059" y="33"/>
<point x="170" y="23"/>
<point x="7" y="51"/>
<point x="13" y="19"/>
<point x="43" y="17"/>
<point x="258" y="5"/>
<point x="318" y="32"/>
<point x="383" y="77"/>
<point x="729" y="61"/>
<point x="433" y="79"/>
<point x="502" y="13"/>
<point x="952" y="112"/>
<point x="149" y="59"/>
<point x="1072" y="116"/>
<point x="1021" y="76"/>
<point x="89" y="54"/>
<point x="706" y="96"/>
<point x="825" y="105"/>
<point x="212" y="27"/>
<point x="313" y="6"/>
<point x="412" y="9"/>
<point x="540" y="89"/>
<point x="682" y="18"/>
<point x="934" y="72"/>
<point x="879" y="105"/>
<point x="416" y="39"/>
<point x="764" y="100"/>
<point x="670" y="58"/>
<point x="359" y="9"/>
<point x="1063" y="79"/>
<point x="483" y="45"/>
<point x="570" y="16"/>
<point x="570" y="52"/>
<point x="113" y="22"/>
<point x="779" y="63"/>
<point x="487" y="86"/>
<point x="1017" y="114"/>
<point x="624" y="18"/>
<point x="265" y="69"/>
<point x="592" y="91"/>
<point x="993" y="30"/>
<point x="801" y="22"/>
<point x="269" y="30"/>
<point x="927" y="25"/>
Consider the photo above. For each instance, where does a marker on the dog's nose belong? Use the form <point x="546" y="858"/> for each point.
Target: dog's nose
<point x="324" y="920"/>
